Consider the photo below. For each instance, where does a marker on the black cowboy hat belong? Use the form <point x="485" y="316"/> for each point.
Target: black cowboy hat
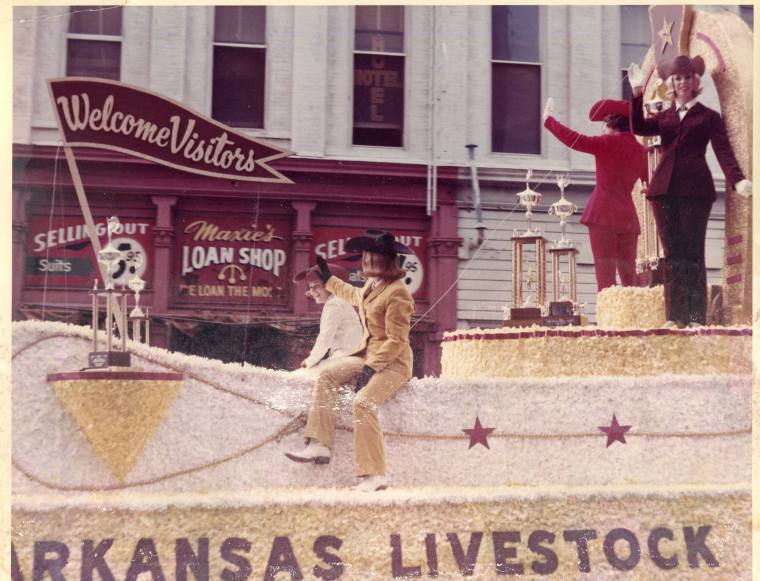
<point x="680" y="65"/>
<point x="378" y="241"/>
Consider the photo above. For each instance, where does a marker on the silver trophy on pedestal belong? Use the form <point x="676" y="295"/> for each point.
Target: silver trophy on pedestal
<point x="114" y="355"/>
<point x="563" y="209"/>
<point x="528" y="199"/>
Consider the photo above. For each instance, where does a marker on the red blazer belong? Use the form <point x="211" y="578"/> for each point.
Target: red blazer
<point x="620" y="161"/>
<point x="683" y="170"/>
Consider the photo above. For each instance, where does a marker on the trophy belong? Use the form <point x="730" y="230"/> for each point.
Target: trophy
<point x="529" y="199"/>
<point x="530" y="283"/>
<point x="563" y="209"/>
<point x="563" y="296"/>
<point x="140" y="319"/>
<point x="562" y="309"/>
<point x="528" y="311"/>
<point x="110" y="257"/>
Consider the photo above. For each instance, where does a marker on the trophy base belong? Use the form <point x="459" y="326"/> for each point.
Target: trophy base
<point x="652" y="276"/>
<point x="561" y="309"/>
<point x="524" y="317"/>
<point x="562" y="321"/>
<point x="524" y="313"/>
<point x="103" y="359"/>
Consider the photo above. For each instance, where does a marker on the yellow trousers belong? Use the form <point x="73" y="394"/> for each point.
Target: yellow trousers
<point x="368" y="437"/>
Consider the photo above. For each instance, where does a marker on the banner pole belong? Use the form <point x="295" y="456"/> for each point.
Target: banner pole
<point x="91" y="231"/>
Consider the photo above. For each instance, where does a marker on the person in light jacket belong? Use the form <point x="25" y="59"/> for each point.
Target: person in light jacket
<point x="380" y="365"/>
<point x="339" y="328"/>
<point x="681" y="191"/>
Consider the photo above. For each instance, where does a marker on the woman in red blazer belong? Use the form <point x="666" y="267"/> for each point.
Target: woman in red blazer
<point x="610" y="215"/>
<point x="681" y="190"/>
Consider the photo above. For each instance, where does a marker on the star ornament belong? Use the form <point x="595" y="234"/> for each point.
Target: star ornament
<point x="478" y="434"/>
<point x="615" y="432"/>
<point x="665" y="33"/>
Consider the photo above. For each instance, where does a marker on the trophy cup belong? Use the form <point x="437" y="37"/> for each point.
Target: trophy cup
<point x="140" y="319"/>
<point x="563" y="209"/>
<point x="529" y="199"/>
<point x="525" y="312"/>
<point x="119" y="357"/>
<point x="562" y="307"/>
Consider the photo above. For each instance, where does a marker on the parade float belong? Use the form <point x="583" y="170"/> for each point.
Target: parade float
<point x="544" y="449"/>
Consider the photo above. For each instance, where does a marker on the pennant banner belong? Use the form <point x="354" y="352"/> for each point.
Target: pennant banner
<point x="111" y="115"/>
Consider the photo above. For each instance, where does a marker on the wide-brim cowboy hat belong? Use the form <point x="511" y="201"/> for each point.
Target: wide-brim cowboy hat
<point x="601" y="109"/>
<point x="680" y="65"/>
<point x="311" y="274"/>
<point x="378" y="241"/>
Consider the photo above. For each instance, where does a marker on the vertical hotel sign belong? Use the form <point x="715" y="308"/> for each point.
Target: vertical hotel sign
<point x="110" y="115"/>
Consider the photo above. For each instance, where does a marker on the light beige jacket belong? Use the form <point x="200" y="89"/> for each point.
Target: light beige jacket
<point x="385" y="314"/>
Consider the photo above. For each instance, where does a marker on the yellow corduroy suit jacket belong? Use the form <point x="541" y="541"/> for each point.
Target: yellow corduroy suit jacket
<point x="386" y="314"/>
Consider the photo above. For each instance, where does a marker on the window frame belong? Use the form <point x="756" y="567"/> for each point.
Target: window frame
<point x="244" y="45"/>
<point x="541" y="81"/>
<point x="92" y="37"/>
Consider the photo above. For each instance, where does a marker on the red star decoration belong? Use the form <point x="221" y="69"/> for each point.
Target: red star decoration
<point x="478" y="434"/>
<point x="615" y="432"/>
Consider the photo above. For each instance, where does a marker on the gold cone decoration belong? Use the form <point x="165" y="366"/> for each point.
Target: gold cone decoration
<point x="118" y="416"/>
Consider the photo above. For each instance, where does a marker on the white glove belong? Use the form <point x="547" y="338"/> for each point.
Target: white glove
<point x="744" y="188"/>
<point x="635" y="76"/>
<point x="549" y="109"/>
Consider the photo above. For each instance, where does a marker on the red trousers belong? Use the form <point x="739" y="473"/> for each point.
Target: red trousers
<point x="613" y="251"/>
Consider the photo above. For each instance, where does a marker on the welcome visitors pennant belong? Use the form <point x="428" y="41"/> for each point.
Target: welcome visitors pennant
<point x="111" y="115"/>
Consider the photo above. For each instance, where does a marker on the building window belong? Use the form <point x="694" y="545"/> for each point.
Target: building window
<point x="239" y="65"/>
<point x="747" y="14"/>
<point x="93" y="46"/>
<point x="635" y="40"/>
<point x="379" y="76"/>
<point x="515" y="80"/>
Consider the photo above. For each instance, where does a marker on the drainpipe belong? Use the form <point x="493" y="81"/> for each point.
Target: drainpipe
<point x="479" y="226"/>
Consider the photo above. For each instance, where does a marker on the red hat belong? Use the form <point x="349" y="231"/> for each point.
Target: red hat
<point x="310" y="274"/>
<point x="681" y="64"/>
<point x="601" y="109"/>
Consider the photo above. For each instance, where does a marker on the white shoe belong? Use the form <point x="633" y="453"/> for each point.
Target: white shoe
<point x="696" y="325"/>
<point x="313" y="452"/>
<point x="371" y="483"/>
<point x="672" y="325"/>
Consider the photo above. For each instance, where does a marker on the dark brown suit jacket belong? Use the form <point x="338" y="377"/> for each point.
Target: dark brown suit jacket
<point x="683" y="170"/>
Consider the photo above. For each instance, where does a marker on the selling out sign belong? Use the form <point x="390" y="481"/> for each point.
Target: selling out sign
<point x="60" y="252"/>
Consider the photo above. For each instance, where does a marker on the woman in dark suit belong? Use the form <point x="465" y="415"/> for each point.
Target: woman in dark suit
<point x="681" y="190"/>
